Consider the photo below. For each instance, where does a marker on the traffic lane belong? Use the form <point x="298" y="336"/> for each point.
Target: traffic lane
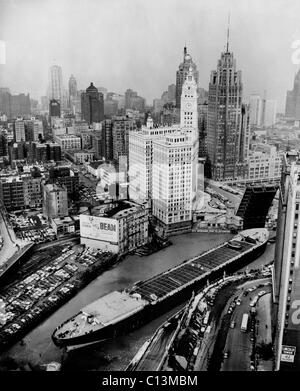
<point x="264" y="330"/>
<point x="239" y="343"/>
<point x="234" y="199"/>
<point x="155" y="353"/>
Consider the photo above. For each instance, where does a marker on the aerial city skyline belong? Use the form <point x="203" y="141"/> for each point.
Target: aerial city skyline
<point x="204" y="38"/>
<point x="162" y="211"/>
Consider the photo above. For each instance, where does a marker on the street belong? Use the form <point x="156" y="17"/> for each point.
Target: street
<point x="238" y="343"/>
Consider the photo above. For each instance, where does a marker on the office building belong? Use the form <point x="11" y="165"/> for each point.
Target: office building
<point x="55" y="84"/>
<point x="34" y="130"/>
<point x="255" y="103"/>
<point x="182" y="73"/>
<point x="286" y="274"/>
<point x="73" y="95"/>
<point x="68" y="141"/>
<point x="63" y="176"/>
<point x="3" y="144"/>
<point x="53" y="152"/>
<point x="172" y="198"/>
<point x="20" y="105"/>
<point x="92" y="105"/>
<point x="264" y="163"/>
<point x="54" y="108"/>
<point x="122" y="126"/>
<point x="55" y="201"/>
<point x="19" y="192"/>
<point x="268" y="112"/>
<point x="19" y="130"/>
<point x="80" y="157"/>
<point x="120" y="227"/>
<point x="224" y="119"/>
<point x="292" y="106"/>
<point x="141" y="159"/>
<point x="133" y="101"/>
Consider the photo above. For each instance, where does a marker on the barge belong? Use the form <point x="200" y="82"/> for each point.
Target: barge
<point x="121" y="311"/>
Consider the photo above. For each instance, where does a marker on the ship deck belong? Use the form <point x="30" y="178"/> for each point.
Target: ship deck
<point x="100" y="313"/>
<point x="173" y="279"/>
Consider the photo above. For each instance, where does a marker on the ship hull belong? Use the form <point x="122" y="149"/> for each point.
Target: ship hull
<point x="152" y="311"/>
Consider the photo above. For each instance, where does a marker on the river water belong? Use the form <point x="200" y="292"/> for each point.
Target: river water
<point x="116" y="354"/>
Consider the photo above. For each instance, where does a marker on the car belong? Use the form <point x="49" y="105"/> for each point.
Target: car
<point x="232" y="324"/>
<point x="226" y="354"/>
<point x="238" y="302"/>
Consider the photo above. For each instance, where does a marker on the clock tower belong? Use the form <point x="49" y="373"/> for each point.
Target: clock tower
<point x="188" y="106"/>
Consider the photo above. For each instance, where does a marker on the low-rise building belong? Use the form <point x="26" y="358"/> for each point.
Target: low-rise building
<point x="63" y="225"/>
<point x="80" y="156"/>
<point x="118" y="227"/>
<point x="68" y="141"/>
<point x="264" y="163"/>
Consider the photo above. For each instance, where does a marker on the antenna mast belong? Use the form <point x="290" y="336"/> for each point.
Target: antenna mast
<point x="227" y="46"/>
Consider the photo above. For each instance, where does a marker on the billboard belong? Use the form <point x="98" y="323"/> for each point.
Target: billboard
<point x="99" y="228"/>
<point x="288" y="353"/>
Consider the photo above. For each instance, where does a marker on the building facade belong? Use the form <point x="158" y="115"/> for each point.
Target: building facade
<point x="292" y="106"/>
<point x="224" y="119"/>
<point x="119" y="228"/>
<point x="286" y="275"/>
<point x="92" y="105"/>
<point x="55" y="201"/>
<point x="68" y="141"/>
<point x="182" y="73"/>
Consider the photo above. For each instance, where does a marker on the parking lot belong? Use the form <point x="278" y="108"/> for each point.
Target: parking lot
<point x="31" y="227"/>
<point x="25" y="300"/>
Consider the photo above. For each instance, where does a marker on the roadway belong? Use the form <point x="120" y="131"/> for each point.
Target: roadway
<point x="11" y="245"/>
<point x="239" y="344"/>
<point x="234" y="199"/>
<point x="154" y="355"/>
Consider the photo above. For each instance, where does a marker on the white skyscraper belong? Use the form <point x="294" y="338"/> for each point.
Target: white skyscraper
<point x="255" y="103"/>
<point x="269" y="112"/>
<point x="163" y="164"/>
<point x="56" y="83"/>
<point x="172" y="193"/>
<point x="141" y="159"/>
<point x="174" y="169"/>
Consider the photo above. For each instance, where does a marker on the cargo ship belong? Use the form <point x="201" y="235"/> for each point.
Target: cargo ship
<point x="121" y="311"/>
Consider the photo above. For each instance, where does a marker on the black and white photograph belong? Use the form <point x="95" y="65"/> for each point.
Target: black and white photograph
<point x="149" y="189"/>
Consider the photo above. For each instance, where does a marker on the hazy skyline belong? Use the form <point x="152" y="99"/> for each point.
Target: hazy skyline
<point x="138" y="44"/>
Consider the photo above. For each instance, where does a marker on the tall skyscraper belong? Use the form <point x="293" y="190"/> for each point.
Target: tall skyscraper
<point x="72" y="86"/>
<point x="19" y="130"/>
<point x="255" y="103"/>
<point x="224" y="119"/>
<point x="163" y="164"/>
<point x="182" y="73"/>
<point x="133" y="101"/>
<point x="92" y="105"/>
<point x="268" y="112"/>
<point x="292" y="106"/>
<point x="56" y="83"/>
<point x="286" y="276"/>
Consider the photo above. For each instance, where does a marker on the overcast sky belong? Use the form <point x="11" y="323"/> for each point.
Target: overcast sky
<point x="138" y="44"/>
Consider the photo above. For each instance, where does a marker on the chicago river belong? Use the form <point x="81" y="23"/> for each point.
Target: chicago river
<point x="116" y="354"/>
